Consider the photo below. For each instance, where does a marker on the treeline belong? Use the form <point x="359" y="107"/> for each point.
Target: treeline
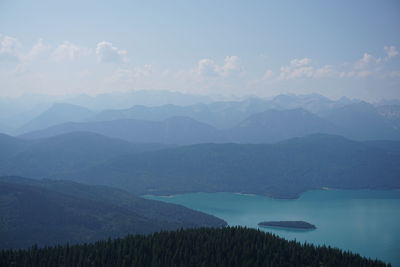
<point x="231" y="246"/>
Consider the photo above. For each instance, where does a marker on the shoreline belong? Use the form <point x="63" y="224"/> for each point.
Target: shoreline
<point x="326" y="189"/>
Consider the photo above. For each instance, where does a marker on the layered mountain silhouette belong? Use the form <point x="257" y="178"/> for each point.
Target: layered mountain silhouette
<point x="363" y="122"/>
<point x="49" y="212"/>
<point x="221" y="115"/>
<point x="353" y="119"/>
<point x="276" y="125"/>
<point x="359" y="121"/>
<point x="176" y="130"/>
<point x="57" y="114"/>
<point x="78" y="150"/>
<point x="283" y="169"/>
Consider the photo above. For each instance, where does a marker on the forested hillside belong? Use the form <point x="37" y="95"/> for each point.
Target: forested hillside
<point x="284" y="169"/>
<point x="59" y="212"/>
<point x="63" y="153"/>
<point x="232" y="246"/>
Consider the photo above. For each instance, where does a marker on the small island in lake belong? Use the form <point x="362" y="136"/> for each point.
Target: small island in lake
<point x="289" y="224"/>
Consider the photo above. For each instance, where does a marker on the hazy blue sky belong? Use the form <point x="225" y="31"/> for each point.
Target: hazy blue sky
<point x="335" y="48"/>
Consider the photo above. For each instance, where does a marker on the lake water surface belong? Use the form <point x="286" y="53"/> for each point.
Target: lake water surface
<point x="366" y="222"/>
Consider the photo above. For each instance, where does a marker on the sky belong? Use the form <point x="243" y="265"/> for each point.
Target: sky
<point x="232" y="48"/>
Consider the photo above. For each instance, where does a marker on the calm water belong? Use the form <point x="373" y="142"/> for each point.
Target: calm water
<point x="366" y="222"/>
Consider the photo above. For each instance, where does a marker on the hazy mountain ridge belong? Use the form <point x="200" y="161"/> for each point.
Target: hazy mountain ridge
<point x="175" y="130"/>
<point x="10" y="146"/>
<point x="60" y="211"/>
<point x="15" y="112"/>
<point x="56" y="114"/>
<point x="284" y="169"/>
<point x="276" y="125"/>
<point x="223" y="115"/>
<point x="220" y="115"/>
<point x="391" y="113"/>
<point x="78" y="150"/>
<point x="284" y="116"/>
<point x="360" y="121"/>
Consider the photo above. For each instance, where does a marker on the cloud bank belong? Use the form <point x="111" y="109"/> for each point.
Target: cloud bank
<point x="71" y="67"/>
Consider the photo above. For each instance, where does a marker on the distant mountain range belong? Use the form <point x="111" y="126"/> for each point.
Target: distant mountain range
<point x="58" y="212"/>
<point x="362" y="121"/>
<point x="358" y="121"/>
<point x="56" y="114"/>
<point x="223" y="115"/>
<point x="276" y="125"/>
<point x="391" y="113"/>
<point x="175" y="130"/>
<point x="16" y="112"/>
<point x="63" y="153"/>
<point x="253" y="120"/>
<point x="284" y="169"/>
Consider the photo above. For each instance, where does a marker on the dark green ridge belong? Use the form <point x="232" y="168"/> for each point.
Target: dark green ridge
<point x="231" y="246"/>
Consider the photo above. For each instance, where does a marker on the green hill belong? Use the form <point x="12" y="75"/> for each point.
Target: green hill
<point x="195" y="247"/>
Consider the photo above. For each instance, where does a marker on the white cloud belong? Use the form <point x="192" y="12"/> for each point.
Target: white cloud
<point x="292" y="73"/>
<point x="107" y="53"/>
<point x="38" y="49"/>
<point x="301" y="68"/>
<point x="9" y="48"/>
<point x="231" y="65"/>
<point x="367" y="66"/>
<point x="366" y="61"/>
<point x="207" y="67"/>
<point x="391" y="51"/>
<point x="325" y="71"/>
<point x="69" y="51"/>
<point x="300" y="62"/>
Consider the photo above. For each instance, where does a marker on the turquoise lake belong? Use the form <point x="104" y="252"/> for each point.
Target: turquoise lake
<point x="365" y="222"/>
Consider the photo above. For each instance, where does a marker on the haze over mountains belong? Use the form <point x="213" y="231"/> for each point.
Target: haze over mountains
<point x="284" y="169"/>
<point x="251" y="112"/>
<point x="253" y="120"/>
<point x="280" y="147"/>
<point x="57" y="113"/>
<point x="18" y="111"/>
<point x="120" y="147"/>
<point x="43" y="157"/>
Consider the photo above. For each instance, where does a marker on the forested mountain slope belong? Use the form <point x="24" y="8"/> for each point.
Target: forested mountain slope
<point x="73" y="151"/>
<point x="232" y="246"/>
<point x="56" y="212"/>
<point x="284" y="169"/>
